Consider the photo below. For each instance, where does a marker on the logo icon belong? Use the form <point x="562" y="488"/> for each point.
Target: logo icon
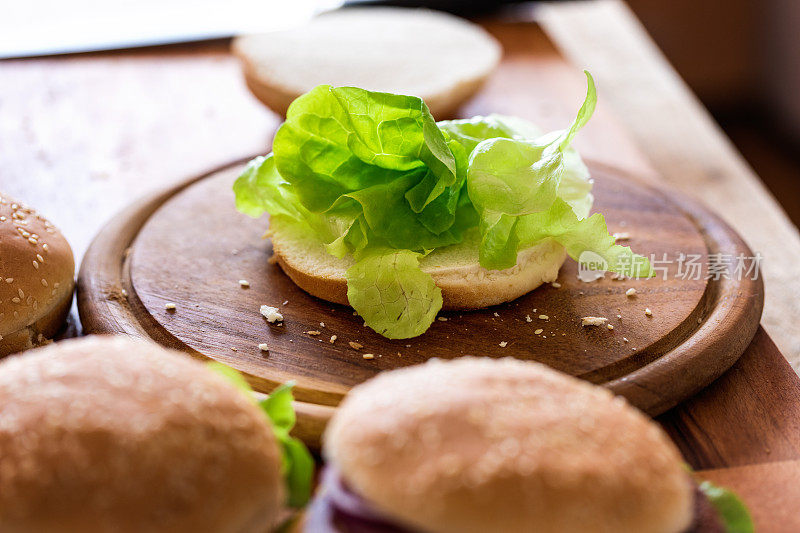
<point x="591" y="266"/>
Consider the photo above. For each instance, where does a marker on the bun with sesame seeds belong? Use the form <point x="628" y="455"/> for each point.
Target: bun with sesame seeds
<point x="113" y="434"/>
<point x="475" y="445"/>
<point x="37" y="272"/>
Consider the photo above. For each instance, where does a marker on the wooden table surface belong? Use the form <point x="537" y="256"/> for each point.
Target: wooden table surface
<point x="82" y="136"/>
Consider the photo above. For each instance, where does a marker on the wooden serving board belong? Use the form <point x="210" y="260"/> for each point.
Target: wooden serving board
<point x="189" y="246"/>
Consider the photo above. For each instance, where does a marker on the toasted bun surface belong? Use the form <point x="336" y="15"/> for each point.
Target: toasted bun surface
<point x="36" y="277"/>
<point x="433" y="55"/>
<point x="111" y="434"/>
<point x="454" y="269"/>
<point x="475" y="445"/>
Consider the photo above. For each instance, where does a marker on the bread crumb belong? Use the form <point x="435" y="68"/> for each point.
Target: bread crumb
<point x="234" y="348"/>
<point x="538" y="331"/>
<point x="442" y="319"/>
<point x="243" y="283"/>
<point x="355" y="345"/>
<point x="622" y="236"/>
<point x="593" y="321"/>
<point x="496" y="314"/>
<point x="625" y="339"/>
<point x="555" y="285"/>
<point x="313" y="332"/>
<point x="630" y="292"/>
<point x="528" y="318"/>
<point x="170" y="306"/>
<point x="333" y="339"/>
<point x="610" y="327"/>
<point x="503" y="344"/>
<point x="322" y="324"/>
<point x="647" y="311"/>
<point x="272" y="314"/>
<point x="263" y="347"/>
<point x="285" y="302"/>
<point x="368" y="356"/>
<point x="544" y="317"/>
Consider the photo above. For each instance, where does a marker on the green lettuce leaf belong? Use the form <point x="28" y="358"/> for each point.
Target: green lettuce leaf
<point x="297" y="463"/>
<point x="730" y="508"/>
<point x="393" y="296"/>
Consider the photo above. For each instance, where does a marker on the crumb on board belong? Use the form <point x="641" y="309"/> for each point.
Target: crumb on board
<point x="610" y="327"/>
<point x="272" y="314"/>
<point x="313" y="332"/>
<point x="333" y="339"/>
<point x="442" y="319"/>
<point x="647" y="311"/>
<point x="496" y="314"/>
<point x="621" y="236"/>
<point x="368" y="356"/>
<point x="263" y="347"/>
<point x="593" y="321"/>
<point x="625" y="339"/>
<point x="538" y="331"/>
<point x="555" y="285"/>
<point x="285" y="302"/>
<point x="630" y="292"/>
<point x="544" y="317"/>
<point x="528" y="318"/>
<point x="355" y="345"/>
<point x="234" y="348"/>
<point x="503" y="344"/>
<point x="169" y="306"/>
<point x="243" y="283"/>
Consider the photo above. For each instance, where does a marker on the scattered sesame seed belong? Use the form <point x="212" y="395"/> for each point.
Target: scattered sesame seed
<point x="368" y="356"/>
<point x="333" y="339"/>
<point x="36" y="265"/>
<point x="648" y="312"/>
<point x="313" y="332"/>
<point x="243" y="283"/>
<point x="528" y="318"/>
<point x="503" y="344"/>
<point x="40" y="258"/>
<point x="15" y="300"/>
<point x="593" y="321"/>
<point x="630" y="292"/>
<point x="538" y="331"/>
<point x="170" y="306"/>
<point x="44" y="282"/>
<point x="263" y="347"/>
<point x="355" y="345"/>
<point x="555" y="285"/>
<point x="544" y="317"/>
<point x="442" y="319"/>
<point x="32" y="240"/>
<point x="46" y="247"/>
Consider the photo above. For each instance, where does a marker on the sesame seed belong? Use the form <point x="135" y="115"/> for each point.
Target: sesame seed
<point x="630" y="292"/>
<point x="503" y="344"/>
<point x="368" y="356"/>
<point x="355" y="345"/>
<point x="263" y="347"/>
<point x="21" y="294"/>
<point x="36" y="265"/>
<point x="538" y="331"/>
<point x="170" y="306"/>
<point x="15" y="300"/>
<point x="625" y="339"/>
<point x="46" y="247"/>
<point x="544" y="317"/>
<point x="648" y="312"/>
<point x="44" y="282"/>
<point x="313" y="332"/>
<point x="40" y="258"/>
<point x="243" y="283"/>
<point x="442" y="319"/>
<point x="32" y="240"/>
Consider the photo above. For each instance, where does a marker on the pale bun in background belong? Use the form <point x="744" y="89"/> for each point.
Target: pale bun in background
<point x="36" y="277"/>
<point x="439" y="57"/>
<point x="112" y="434"/>
<point x="479" y="444"/>
<point x="454" y="269"/>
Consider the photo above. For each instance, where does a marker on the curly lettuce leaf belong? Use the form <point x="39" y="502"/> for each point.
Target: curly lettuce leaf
<point x="393" y="296"/>
<point x="297" y="463"/>
<point x="346" y="142"/>
<point x="730" y="508"/>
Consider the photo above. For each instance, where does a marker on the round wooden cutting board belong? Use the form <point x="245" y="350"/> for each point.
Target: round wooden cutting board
<point x="189" y="246"/>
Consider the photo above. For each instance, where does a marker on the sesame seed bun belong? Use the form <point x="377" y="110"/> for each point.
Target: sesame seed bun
<point x="439" y="57"/>
<point x="454" y="269"/>
<point x="112" y="434"/>
<point x="477" y="444"/>
<point x="36" y="277"/>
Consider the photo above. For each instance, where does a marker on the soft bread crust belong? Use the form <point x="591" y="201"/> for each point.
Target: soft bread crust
<point x="454" y="269"/>
<point x="478" y="444"/>
<point x="112" y="434"/>
<point x="438" y="57"/>
<point x="36" y="277"/>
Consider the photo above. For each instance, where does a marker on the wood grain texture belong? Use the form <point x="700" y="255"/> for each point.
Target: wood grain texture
<point x="677" y="135"/>
<point x="189" y="246"/>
